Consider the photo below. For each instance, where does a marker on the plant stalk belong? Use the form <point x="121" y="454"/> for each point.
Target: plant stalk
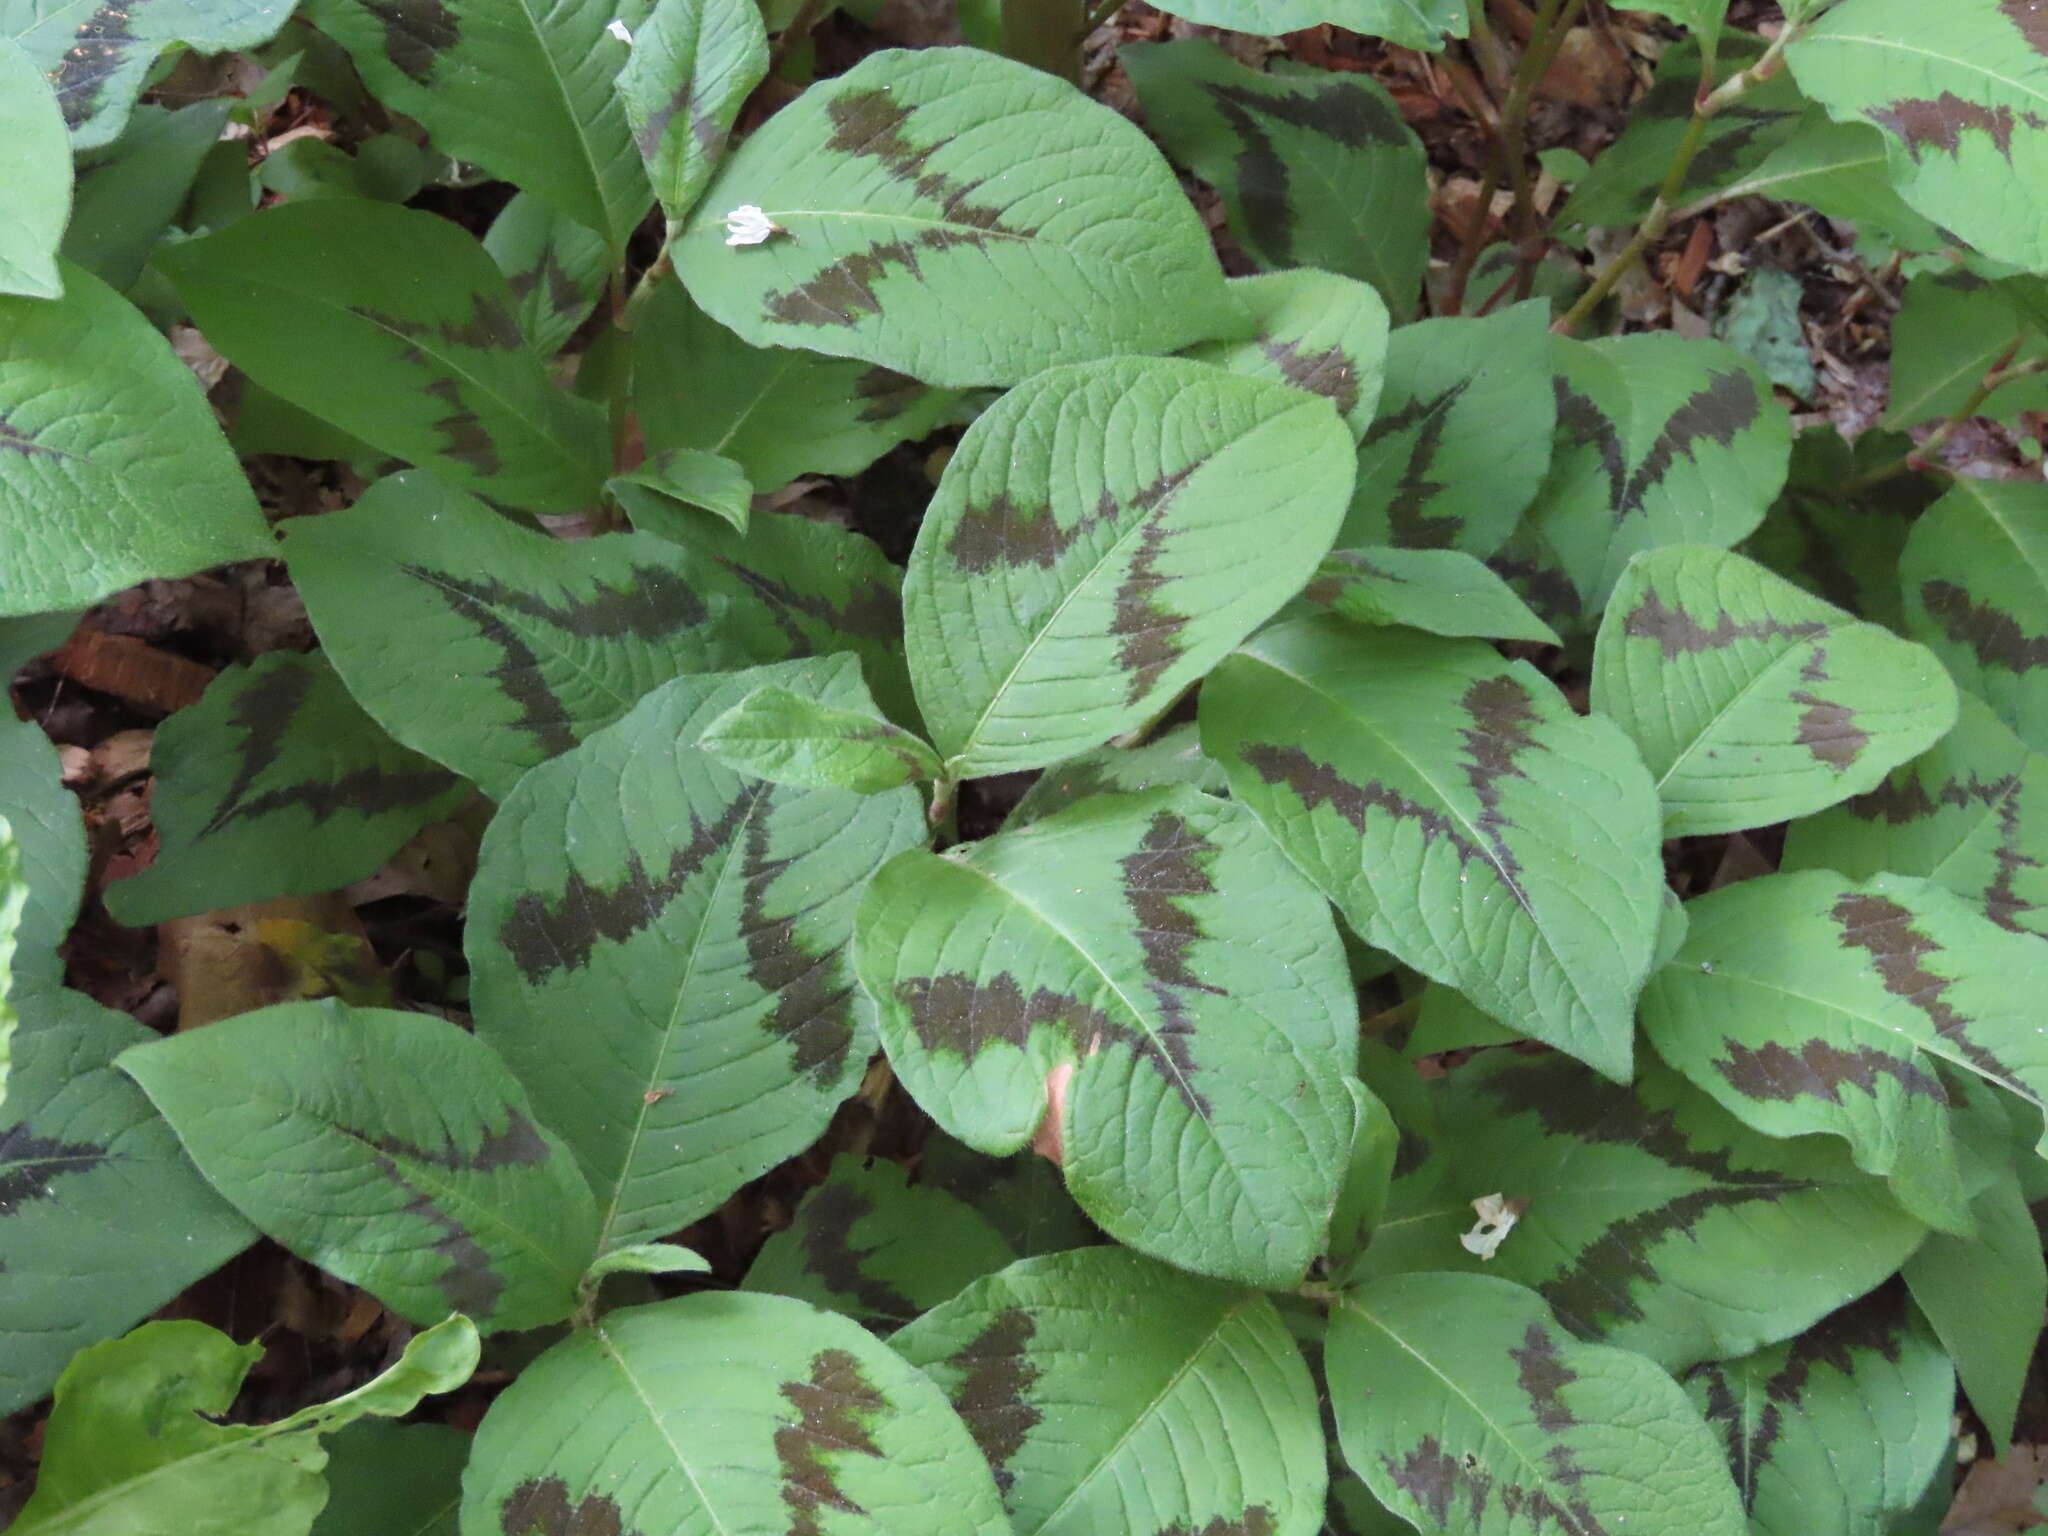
<point x="1920" y="457"/>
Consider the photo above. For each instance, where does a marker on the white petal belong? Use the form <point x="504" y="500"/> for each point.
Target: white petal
<point x="617" y="28"/>
<point x="1497" y="1219"/>
<point x="747" y="225"/>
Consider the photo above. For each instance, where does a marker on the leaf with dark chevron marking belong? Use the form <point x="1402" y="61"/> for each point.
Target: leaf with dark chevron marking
<point x="391" y="1149"/>
<point x="555" y="268"/>
<point x="693" y="64"/>
<point x="1080" y="1374"/>
<point x="1318" y="332"/>
<point x="1440" y="591"/>
<point x="694" y="922"/>
<point x="276" y="784"/>
<point x="1172" y="757"/>
<point x="1121" y="944"/>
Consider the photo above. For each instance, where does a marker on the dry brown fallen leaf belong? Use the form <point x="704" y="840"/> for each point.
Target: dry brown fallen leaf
<point x="1997" y="1497"/>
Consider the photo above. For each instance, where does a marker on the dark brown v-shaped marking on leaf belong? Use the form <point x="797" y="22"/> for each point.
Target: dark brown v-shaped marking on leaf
<point x="837" y="1404"/>
<point x="824" y="1234"/>
<point x="1320" y="784"/>
<point x="1329" y="373"/>
<point x="100" y="46"/>
<point x="993" y="1393"/>
<point x="1167" y="869"/>
<point x="1150" y="634"/>
<point x="1716" y="413"/>
<point x="1939" y="122"/>
<point x="2031" y="17"/>
<point x="1776" y="1073"/>
<point x="1993" y="636"/>
<point x="29" y="1162"/>
<point x="1257" y="1520"/>
<point x="416" y="34"/>
<point x="813" y="993"/>
<point x="1407" y="527"/>
<point x="870" y="125"/>
<point x="1884" y="930"/>
<point x="839" y="294"/>
<point x="2003" y="903"/>
<point x="1902" y="798"/>
<point x="1678" y="633"/>
<point x="540" y="1507"/>
<point x="518" y="1145"/>
<point x="1501" y="711"/>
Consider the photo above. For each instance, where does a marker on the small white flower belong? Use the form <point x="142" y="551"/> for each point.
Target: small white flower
<point x="1497" y="1218"/>
<point x="748" y="225"/>
<point x="617" y="28"/>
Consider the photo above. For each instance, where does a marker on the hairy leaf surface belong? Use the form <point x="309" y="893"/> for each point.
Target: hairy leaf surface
<point x="1156" y="955"/>
<point x="1318" y="332"/>
<point x="1753" y="701"/>
<point x="1459" y="814"/>
<point x="1087" y="1377"/>
<point x="959" y="217"/>
<point x="692" y="66"/>
<point x="1101" y="537"/>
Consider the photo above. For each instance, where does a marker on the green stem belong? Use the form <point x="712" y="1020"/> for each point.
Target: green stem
<point x="1921" y="456"/>
<point x="1392" y="1018"/>
<point x="808" y="15"/>
<point x="1316" y="1291"/>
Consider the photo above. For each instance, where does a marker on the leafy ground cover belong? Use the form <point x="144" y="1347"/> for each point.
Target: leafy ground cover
<point x="1258" y="768"/>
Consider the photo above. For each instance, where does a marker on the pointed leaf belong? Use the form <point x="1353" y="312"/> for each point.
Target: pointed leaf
<point x="555" y="267"/>
<point x="785" y="738"/>
<point x="726" y="1411"/>
<point x="1085" y="1376"/>
<point x="49" y="833"/>
<point x="960" y="217"/>
<point x="1101" y="538"/>
<point x="1838" y="1432"/>
<point x="1411" y="23"/>
<point x="869" y="1244"/>
<point x="1839" y="169"/>
<point x="1807" y="1003"/>
<point x="1753" y="701"/>
<point x="13" y="897"/>
<point x="1505" y="1424"/>
<point x="520" y="87"/>
<point x="1451" y="804"/>
<point x="391" y="1149"/>
<point x="1976" y="578"/>
<point x="1651" y="1218"/>
<point x="129" y="192"/>
<point x="694" y="922"/>
<point x="1175" y="758"/>
<point x="1970" y="814"/>
<point x="394" y="325"/>
<point x="1961" y="93"/>
<point x="275" y="784"/>
<point x="1324" y="334"/>
<point x="1951" y="330"/>
<point x="102" y="1217"/>
<point x="1442" y="591"/>
<point x="38" y="196"/>
<point x="693" y="64"/>
<point x="1316" y="168"/>
<point x="660" y="494"/>
<point x="1157" y="955"/>
<point x="112" y="467"/>
<point x="387" y="1479"/>
<point x="1022" y="1197"/>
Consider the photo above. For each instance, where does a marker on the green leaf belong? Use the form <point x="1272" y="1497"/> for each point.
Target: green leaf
<point x="776" y="412"/>
<point x="1442" y="591"/>
<point x="1086" y="1378"/>
<point x="37" y="200"/>
<point x="98" y="56"/>
<point x="49" y="834"/>
<point x="387" y="1479"/>
<point x="882" y="1250"/>
<point x="1752" y="701"/>
<point x="1951" y="330"/>
<point x="694" y="923"/>
<point x="1807" y="1003"/>
<point x="128" y="194"/>
<point x="132" y="1444"/>
<point x="1316" y="168"/>
<point x="1837" y="1432"/>
<point x="391" y="1149"/>
<point x="13" y="898"/>
<point x="1459" y="1393"/>
<point x="726" y="1410"/>
<point x="490" y="648"/>
<point x="785" y="738"/>
<point x="1970" y="814"/>
<point x="1174" y="758"/>
<point x="1961" y="92"/>
<point x="1450" y="804"/>
<point x="1660" y="440"/>
<point x="1762" y="323"/>
<point x="1840" y="170"/>
<point x="693" y="64"/>
<point x="1629" y="173"/>
<point x="556" y="268"/>
<point x="102" y="1218"/>
<point x="1652" y="1219"/>
<point x="647" y="1259"/>
<point x="275" y="784"/>
<point x="112" y="468"/>
<point x="1975" y="573"/>
<point x="1324" y="334"/>
<point x="1101" y="537"/>
<point x="394" y="325"/>
<point x="656" y="494"/>
<point x="1411" y="23"/>
<point x="1022" y="1197"/>
<point x="960" y="217"/>
<point x="1463" y="437"/>
<point x="523" y="88"/>
<point x="1153" y="960"/>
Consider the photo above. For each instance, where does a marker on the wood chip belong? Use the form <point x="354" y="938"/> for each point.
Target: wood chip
<point x="131" y="670"/>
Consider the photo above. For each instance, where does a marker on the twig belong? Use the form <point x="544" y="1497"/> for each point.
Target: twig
<point x="1920" y="458"/>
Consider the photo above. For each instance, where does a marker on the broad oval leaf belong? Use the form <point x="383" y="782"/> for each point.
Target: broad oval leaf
<point x="1422" y="24"/>
<point x="694" y="922"/>
<point x="1808" y="1003"/>
<point x="1316" y="168"/>
<point x="692" y="66"/>
<point x="112" y="467"/>
<point x="1753" y="701"/>
<point x="48" y="828"/>
<point x="275" y="784"/>
<point x="387" y="1479"/>
<point x="37" y="201"/>
<point x="785" y="738"/>
<point x="1970" y="814"/>
<point x="1650" y="1217"/>
<point x="1961" y="93"/>
<point x="1951" y="330"/>
<point x="1460" y="816"/>
<point x="102" y="1218"/>
<point x="391" y="1149"/>
<point x="1975" y="572"/>
<point x="1442" y="591"/>
<point x="1464" y="1406"/>
<point x="523" y="88"/>
<point x="394" y="325"/>
<point x="1101" y="537"/>
<point x="1022" y="1197"/>
<point x="129" y="192"/>
<point x="957" y="216"/>
<point x="1087" y="1377"/>
<point x="1838" y="1432"/>
<point x="1153" y="964"/>
<point x="1314" y="330"/>
<point x="726" y="1411"/>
